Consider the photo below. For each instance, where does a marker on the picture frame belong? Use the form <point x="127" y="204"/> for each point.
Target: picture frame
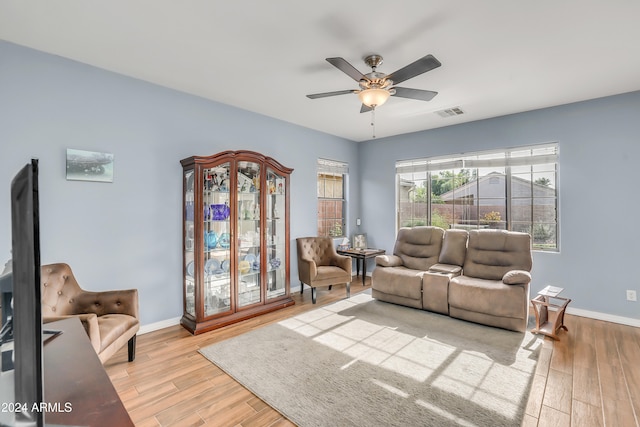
<point x="89" y="166"/>
<point x="359" y="241"/>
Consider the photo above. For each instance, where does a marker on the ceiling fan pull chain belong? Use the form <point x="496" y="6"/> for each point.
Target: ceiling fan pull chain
<point x="373" y="121"/>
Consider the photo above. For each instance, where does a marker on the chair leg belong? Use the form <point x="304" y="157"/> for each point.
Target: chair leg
<point x="132" y="348"/>
<point x="330" y="286"/>
<point x="313" y="295"/>
<point x="301" y="287"/>
<point x="349" y="290"/>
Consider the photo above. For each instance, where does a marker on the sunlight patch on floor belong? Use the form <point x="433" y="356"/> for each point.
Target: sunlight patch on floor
<point x="392" y="389"/>
<point x="444" y="413"/>
<point x="480" y="380"/>
<point x="471" y="375"/>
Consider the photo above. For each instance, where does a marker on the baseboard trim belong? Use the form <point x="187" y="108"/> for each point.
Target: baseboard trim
<point x="145" y="329"/>
<point x="604" y="316"/>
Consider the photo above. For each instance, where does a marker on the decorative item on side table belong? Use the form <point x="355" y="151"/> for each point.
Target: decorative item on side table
<point x="344" y="245"/>
<point x="359" y="241"/>
<point x="549" y="313"/>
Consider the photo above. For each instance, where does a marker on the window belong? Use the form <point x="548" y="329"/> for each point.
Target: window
<point x="332" y="176"/>
<point x="514" y="189"/>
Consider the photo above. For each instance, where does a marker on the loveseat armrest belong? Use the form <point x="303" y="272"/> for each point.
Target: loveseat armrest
<point x="89" y="323"/>
<point x="388" y="261"/>
<point x="109" y="302"/>
<point x="454" y="270"/>
<point x="516" y="277"/>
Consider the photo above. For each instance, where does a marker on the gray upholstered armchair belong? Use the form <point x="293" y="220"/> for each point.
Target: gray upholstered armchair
<point x="110" y="318"/>
<point x="320" y="265"/>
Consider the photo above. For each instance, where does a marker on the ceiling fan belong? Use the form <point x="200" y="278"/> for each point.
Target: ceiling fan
<point x="376" y="87"/>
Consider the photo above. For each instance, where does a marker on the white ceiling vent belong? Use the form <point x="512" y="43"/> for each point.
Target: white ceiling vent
<point x="450" y="112"/>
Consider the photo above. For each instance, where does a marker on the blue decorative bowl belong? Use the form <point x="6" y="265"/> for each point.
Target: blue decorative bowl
<point x="220" y="212"/>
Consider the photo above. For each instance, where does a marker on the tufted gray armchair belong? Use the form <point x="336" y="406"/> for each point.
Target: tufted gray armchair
<point x="110" y="318"/>
<point x="320" y="265"/>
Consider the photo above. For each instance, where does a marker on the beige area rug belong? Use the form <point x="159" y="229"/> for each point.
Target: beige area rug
<point x="362" y="362"/>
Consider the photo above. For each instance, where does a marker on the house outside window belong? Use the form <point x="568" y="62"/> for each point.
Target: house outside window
<point x="514" y="189"/>
<point x="332" y="178"/>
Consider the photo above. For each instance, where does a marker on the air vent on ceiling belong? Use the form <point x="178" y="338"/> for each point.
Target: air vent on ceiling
<point x="450" y="112"/>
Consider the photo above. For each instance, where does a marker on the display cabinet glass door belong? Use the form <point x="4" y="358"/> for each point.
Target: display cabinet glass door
<point x="217" y="239"/>
<point x="189" y="243"/>
<point x="276" y="238"/>
<point x="249" y="277"/>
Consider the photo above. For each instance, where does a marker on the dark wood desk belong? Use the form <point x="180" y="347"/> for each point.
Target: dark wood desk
<point x="74" y="376"/>
<point x="362" y="255"/>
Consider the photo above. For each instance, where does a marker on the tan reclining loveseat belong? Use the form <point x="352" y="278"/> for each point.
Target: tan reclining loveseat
<point x="482" y="275"/>
<point x="110" y="318"/>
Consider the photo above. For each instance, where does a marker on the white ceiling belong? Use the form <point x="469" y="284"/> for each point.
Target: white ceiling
<point x="498" y="56"/>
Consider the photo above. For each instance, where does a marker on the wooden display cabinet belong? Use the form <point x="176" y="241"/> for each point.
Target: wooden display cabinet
<point x="235" y="238"/>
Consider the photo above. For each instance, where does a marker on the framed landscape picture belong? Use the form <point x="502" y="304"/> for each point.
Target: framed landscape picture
<point x="89" y="166"/>
<point x="359" y="241"/>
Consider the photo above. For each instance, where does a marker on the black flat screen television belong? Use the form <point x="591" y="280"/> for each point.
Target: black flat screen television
<point x="24" y="314"/>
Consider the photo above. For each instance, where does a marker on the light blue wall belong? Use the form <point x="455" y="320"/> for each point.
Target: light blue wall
<point x="598" y="173"/>
<point x="128" y="233"/>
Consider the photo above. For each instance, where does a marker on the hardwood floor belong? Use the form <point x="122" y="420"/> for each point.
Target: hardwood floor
<point x="590" y="377"/>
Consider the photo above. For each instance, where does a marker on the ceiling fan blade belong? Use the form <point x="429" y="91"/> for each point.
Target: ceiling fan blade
<point x="326" y="94"/>
<point x="364" y="108"/>
<point x="419" y="94"/>
<point x="416" y="68"/>
<point x="342" y="65"/>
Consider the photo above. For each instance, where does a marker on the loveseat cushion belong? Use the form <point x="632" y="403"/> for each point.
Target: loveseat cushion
<point x="400" y="281"/>
<point x="492" y="253"/>
<point x="419" y="247"/>
<point x="488" y="296"/>
<point x="454" y="247"/>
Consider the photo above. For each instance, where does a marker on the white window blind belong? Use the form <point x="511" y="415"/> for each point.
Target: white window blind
<point x="522" y="156"/>
<point x="332" y="167"/>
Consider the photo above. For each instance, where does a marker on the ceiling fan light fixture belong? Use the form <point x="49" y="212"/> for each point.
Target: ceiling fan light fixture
<point x="373" y="97"/>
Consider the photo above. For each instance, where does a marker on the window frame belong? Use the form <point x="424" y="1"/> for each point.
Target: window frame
<point x="328" y="168"/>
<point x="514" y="166"/>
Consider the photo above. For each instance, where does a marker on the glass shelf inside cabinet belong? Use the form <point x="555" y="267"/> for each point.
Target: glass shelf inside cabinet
<point x="249" y="215"/>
